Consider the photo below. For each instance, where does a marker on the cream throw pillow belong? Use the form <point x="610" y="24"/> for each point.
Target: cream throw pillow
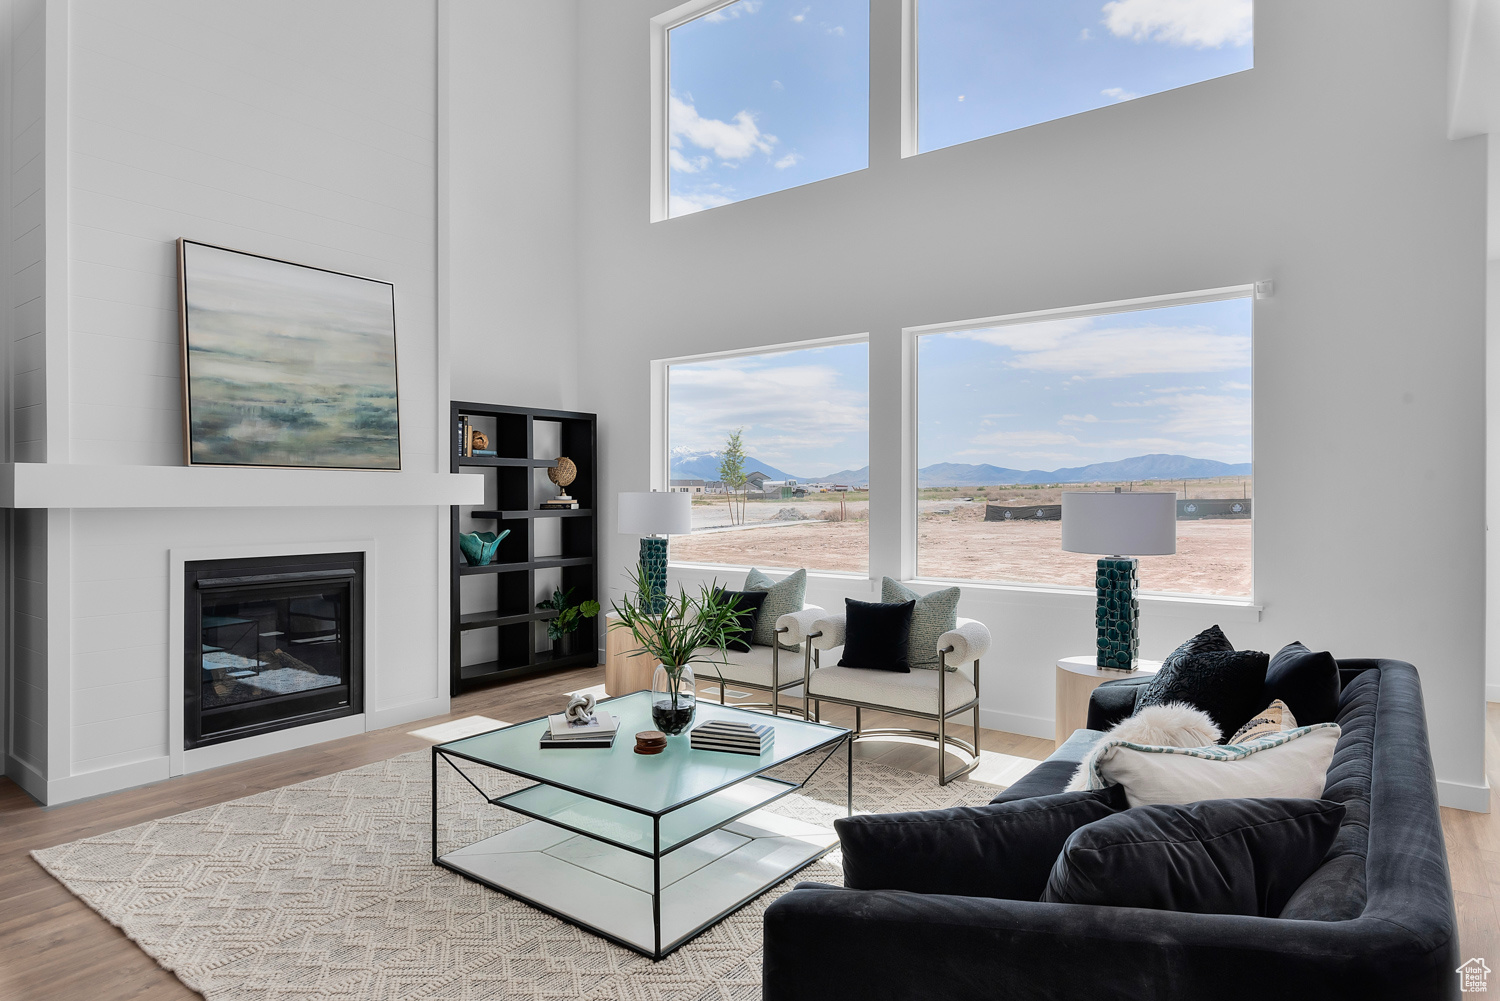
<point x="1274" y="718"/>
<point x="1291" y="764"/>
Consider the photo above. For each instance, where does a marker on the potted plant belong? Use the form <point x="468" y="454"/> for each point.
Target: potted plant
<point x="690" y="629"/>
<point x="563" y="627"/>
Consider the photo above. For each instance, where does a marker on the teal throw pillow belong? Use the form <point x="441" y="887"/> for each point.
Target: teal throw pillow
<point x="934" y="615"/>
<point x="782" y="598"/>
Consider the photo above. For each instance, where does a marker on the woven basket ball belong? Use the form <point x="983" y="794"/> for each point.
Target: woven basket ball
<point x="564" y="472"/>
<point x="481" y="440"/>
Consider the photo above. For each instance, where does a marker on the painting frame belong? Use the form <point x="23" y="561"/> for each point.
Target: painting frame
<point x="378" y="431"/>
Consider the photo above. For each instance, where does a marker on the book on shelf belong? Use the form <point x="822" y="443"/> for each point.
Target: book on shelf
<point x="598" y="740"/>
<point x="483" y="451"/>
<point x="603" y="724"/>
<point x="732" y="736"/>
<point x="559" y="505"/>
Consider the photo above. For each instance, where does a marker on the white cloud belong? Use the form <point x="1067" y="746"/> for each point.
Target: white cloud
<point x="1119" y="94"/>
<point x="777" y="85"/>
<point x="686" y="166"/>
<point x="837" y="29"/>
<point x="1021" y="439"/>
<point x="1236" y="387"/>
<point x="784" y="408"/>
<point x="686" y="204"/>
<point x="1078" y="347"/>
<point x="733" y="11"/>
<point x="1084" y="35"/>
<point x="1201" y="414"/>
<point x="790" y="160"/>
<point x="799" y="18"/>
<point x="734" y="140"/>
<point x="1203" y="24"/>
<point x="960" y="98"/>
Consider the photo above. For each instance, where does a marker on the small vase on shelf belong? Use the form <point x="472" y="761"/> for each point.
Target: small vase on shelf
<point x="673" y="698"/>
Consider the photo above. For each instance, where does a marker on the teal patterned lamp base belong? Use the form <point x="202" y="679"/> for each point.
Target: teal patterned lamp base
<point x="653" y="574"/>
<point x="1118" y="614"/>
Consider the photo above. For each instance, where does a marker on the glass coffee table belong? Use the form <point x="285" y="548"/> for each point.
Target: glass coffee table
<point x="646" y="850"/>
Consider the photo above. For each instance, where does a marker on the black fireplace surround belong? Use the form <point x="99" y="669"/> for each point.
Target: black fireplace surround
<point x="271" y="643"/>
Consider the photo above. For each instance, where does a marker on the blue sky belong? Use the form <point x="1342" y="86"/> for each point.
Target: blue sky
<point x="766" y="95"/>
<point x="989" y="66"/>
<point x="771" y="94"/>
<point x="1069" y="392"/>
<point x="1041" y="395"/>
<point x="806" y="411"/>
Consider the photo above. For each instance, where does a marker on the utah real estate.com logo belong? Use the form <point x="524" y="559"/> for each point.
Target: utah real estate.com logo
<point x="1474" y="977"/>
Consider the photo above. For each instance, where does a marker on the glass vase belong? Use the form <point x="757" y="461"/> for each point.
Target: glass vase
<point x="673" y="698"/>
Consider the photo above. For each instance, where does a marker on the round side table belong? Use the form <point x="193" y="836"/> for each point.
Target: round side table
<point x="1076" y="678"/>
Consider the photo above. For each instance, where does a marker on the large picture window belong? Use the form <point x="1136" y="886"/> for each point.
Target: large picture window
<point x="765" y="95"/>
<point x="775" y="450"/>
<point x="1013" y="413"/>
<point x="990" y="66"/>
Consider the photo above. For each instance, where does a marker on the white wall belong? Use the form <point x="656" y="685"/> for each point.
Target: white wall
<point x="1326" y="168"/>
<point x="305" y="132"/>
<point x="510" y="176"/>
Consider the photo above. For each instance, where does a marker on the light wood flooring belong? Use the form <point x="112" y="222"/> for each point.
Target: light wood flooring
<point x="54" y="947"/>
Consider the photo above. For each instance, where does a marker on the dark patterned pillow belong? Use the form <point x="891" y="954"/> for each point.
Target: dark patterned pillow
<point x="1226" y="684"/>
<point x="1208" y="641"/>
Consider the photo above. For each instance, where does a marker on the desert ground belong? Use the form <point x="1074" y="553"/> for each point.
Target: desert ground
<point x="956" y="543"/>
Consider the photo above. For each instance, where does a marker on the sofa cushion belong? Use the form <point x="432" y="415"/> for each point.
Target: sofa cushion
<point x="747" y="667"/>
<point x="1220" y="856"/>
<point x="934" y="614"/>
<point x="1227" y="685"/>
<point x="876" y="635"/>
<point x="1307" y="682"/>
<point x="747" y="604"/>
<point x="1004" y="850"/>
<point x="1211" y="640"/>
<point x="916" y="690"/>
<point x="1274" y="718"/>
<point x="1290" y="764"/>
<point x="783" y="597"/>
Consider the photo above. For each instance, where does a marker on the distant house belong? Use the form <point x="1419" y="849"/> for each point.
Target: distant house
<point x="756" y="480"/>
<point x="688" y="486"/>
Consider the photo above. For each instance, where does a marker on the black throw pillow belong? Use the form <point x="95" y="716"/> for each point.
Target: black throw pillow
<point x="876" y="635"/>
<point x="1216" y="856"/>
<point x="1210" y="640"/>
<point x="1227" y="684"/>
<point x="747" y="603"/>
<point x="1307" y="682"/>
<point x="1004" y="850"/>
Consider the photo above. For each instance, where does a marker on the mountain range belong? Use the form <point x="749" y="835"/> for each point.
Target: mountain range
<point x="1158" y="466"/>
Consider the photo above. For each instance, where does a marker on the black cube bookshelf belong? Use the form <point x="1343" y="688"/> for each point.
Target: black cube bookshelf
<point x="507" y="588"/>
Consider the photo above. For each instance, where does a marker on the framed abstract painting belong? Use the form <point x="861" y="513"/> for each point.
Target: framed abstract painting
<point x="284" y="364"/>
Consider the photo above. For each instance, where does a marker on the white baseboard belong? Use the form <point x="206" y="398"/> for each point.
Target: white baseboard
<point x="106" y="780"/>
<point x="1463" y="796"/>
<point x="1492" y="693"/>
<point x="379" y="719"/>
<point x="1031" y="726"/>
<point x="233" y="751"/>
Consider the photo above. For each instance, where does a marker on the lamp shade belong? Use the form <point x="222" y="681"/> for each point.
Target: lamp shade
<point x="655" y="513"/>
<point x="1137" y="523"/>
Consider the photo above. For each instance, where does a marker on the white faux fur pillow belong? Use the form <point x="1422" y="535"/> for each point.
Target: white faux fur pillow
<point x="1175" y="724"/>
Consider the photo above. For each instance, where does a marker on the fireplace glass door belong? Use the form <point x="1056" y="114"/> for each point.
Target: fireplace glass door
<point x="271" y="646"/>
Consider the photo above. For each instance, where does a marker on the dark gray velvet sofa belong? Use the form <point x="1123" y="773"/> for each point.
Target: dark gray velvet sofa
<point x="1374" y="923"/>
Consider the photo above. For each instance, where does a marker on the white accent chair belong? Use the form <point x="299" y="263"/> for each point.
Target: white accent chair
<point x="763" y="668"/>
<point x="932" y="695"/>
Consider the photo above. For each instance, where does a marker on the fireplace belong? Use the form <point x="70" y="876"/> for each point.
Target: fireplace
<point x="271" y="643"/>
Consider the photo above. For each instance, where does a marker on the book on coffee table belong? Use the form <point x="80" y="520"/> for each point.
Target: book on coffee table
<point x="597" y="732"/>
<point x="596" y="740"/>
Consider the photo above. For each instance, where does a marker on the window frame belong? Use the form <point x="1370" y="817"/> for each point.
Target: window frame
<point x="661" y="424"/>
<point x="911" y="547"/>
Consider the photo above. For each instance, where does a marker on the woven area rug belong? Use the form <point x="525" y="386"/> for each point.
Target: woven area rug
<point x="325" y="889"/>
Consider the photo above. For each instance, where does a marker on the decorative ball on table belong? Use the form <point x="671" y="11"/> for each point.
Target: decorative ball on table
<point x="563" y="472"/>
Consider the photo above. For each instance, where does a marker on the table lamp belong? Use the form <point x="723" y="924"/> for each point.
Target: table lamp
<point x="1119" y="527"/>
<point x="654" y="516"/>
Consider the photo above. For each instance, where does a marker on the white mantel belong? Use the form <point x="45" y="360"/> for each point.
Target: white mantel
<point x="64" y="485"/>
